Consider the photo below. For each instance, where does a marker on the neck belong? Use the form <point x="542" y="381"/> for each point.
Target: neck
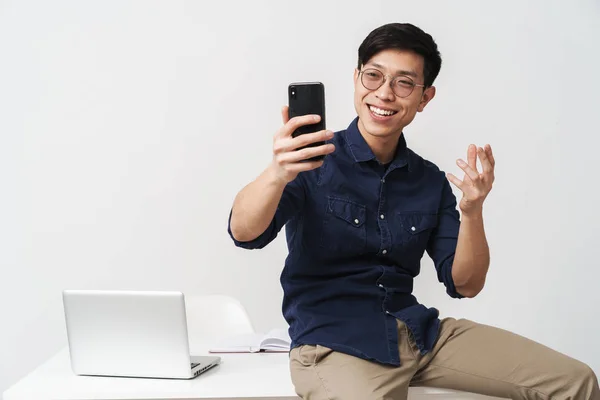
<point x="384" y="148"/>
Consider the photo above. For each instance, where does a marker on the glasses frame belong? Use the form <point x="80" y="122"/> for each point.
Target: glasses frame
<point x="392" y="80"/>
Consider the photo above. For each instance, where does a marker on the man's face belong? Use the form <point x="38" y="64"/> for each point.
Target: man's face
<point x="369" y="103"/>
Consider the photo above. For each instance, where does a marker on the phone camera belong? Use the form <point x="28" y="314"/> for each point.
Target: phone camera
<point x="293" y="92"/>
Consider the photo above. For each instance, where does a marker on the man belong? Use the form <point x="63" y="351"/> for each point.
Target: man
<point x="358" y="224"/>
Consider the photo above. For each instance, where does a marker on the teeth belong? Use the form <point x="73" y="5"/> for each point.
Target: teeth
<point x="379" y="111"/>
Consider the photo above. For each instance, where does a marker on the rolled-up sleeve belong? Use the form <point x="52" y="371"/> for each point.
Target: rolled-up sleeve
<point x="291" y="203"/>
<point x="442" y="242"/>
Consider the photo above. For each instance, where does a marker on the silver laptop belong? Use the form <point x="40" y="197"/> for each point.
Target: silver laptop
<point x="130" y="334"/>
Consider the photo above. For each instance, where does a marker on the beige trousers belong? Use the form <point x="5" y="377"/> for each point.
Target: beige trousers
<point x="467" y="356"/>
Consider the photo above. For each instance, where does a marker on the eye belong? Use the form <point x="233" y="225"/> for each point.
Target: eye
<point x="405" y="83"/>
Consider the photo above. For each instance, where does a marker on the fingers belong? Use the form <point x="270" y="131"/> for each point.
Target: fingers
<point x="455" y="181"/>
<point x="490" y="155"/>
<point x="293" y="162"/>
<point x="285" y="117"/>
<point x="286" y="144"/>
<point x="310" y="138"/>
<point x="296" y="122"/>
<point x="486" y="164"/>
<point x="470" y="166"/>
<point x="471" y="173"/>
<point x="472" y="156"/>
<point x="304" y="166"/>
<point x="305" y="153"/>
<point x="291" y="154"/>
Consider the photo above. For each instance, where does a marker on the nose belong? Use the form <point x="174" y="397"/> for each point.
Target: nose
<point x="385" y="92"/>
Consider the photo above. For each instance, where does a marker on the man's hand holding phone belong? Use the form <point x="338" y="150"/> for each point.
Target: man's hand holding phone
<point x="290" y="154"/>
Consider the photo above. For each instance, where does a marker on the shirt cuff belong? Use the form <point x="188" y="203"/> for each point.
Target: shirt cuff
<point x="448" y="280"/>
<point x="257" y="243"/>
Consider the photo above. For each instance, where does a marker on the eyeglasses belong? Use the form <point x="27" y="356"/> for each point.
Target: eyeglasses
<point x="373" y="79"/>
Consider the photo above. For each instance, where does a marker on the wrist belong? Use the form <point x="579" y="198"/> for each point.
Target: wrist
<point x="473" y="215"/>
<point x="273" y="176"/>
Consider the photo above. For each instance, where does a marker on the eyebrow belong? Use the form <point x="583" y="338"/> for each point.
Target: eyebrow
<point x="399" y="72"/>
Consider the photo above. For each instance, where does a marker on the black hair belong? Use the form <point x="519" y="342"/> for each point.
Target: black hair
<point x="403" y="36"/>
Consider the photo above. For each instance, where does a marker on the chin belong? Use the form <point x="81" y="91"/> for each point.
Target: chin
<point x="377" y="129"/>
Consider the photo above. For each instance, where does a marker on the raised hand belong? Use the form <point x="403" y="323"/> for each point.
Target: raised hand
<point x="288" y="161"/>
<point x="475" y="185"/>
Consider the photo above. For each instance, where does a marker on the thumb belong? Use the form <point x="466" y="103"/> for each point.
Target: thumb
<point x="284" y="114"/>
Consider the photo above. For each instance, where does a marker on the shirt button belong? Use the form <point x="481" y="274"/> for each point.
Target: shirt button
<point x="356" y="221"/>
<point x="387" y="312"/>
<point x="384" y="251"/>
<point x="383" y="180"/>
<point x="382" y="216"/>
<point x="380" y="285"/>
<point x="412" y="228"/>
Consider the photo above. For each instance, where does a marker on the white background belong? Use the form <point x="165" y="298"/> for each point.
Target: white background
<point x="127" y="128"/>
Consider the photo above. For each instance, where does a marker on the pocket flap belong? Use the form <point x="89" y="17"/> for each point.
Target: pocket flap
<point x="351" y="212"/>
<point x="415" y="223"/>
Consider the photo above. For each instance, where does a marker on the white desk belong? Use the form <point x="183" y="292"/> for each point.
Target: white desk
<point x="240" y="376"/>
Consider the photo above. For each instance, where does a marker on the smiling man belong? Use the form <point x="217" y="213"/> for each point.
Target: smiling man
<point x="358" y="224"/>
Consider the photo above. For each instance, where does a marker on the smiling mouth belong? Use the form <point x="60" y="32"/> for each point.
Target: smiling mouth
<point x="381" y="112"/>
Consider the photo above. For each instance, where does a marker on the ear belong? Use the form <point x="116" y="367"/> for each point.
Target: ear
<point x="427" y="96"/>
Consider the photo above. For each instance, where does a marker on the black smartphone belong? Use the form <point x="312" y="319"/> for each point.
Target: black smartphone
<point x="307" y="98"/>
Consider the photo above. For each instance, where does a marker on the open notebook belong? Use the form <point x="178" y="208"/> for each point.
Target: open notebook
<point x="275" y="340"/>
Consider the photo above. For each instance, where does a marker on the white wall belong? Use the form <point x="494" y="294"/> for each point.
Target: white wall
<point x="127" y="128"/>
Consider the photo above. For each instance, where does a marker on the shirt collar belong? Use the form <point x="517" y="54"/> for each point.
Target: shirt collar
<point x="361" y="151"/>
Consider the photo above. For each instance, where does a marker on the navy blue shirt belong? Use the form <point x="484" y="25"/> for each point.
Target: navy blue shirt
<point x="356" y="232"/>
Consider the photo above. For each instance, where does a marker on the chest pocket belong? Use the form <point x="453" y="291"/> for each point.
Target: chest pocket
<point x="344" y="230"/>
<point x="416" y="228"/>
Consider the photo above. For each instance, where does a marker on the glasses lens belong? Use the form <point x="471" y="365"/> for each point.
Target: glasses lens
<point x="372" y="79"/>
<point x="403" y="86"/>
